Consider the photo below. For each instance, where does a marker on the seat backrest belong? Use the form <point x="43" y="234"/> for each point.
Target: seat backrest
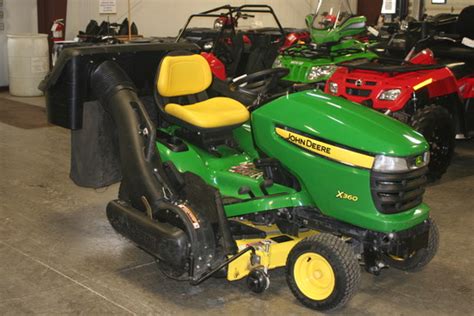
<point x="236" y="50"/>
<point x="262" y="54"/>
<point x="183" y="75"/>
<point x="465" y="25"/>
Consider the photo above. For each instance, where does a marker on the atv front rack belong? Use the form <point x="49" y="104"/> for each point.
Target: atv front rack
<point x="388" y="65"/>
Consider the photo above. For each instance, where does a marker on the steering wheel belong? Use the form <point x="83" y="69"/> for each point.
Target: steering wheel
<point x="258" y="83"/>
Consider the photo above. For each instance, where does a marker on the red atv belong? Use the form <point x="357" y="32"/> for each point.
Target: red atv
<point x="435" y="99"/>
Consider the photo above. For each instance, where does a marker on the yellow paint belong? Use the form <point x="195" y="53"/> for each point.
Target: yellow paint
<point x="272" y="254"/>
<point x="183" y="75"/>
<point x="191" y="74"/>
<point x="211" y="113"/>
<point x="422" y="84"/>
<point x="339" y="154"/>
<point x="314" y="276"/>
<point x="345" y="196"/>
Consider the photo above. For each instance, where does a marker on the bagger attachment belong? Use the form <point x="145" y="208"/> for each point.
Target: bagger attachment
<point x="158" y="208"/>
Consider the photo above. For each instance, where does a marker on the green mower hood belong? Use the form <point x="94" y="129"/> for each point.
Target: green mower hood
<point x="343" y="122"/>
<point x="335" y="146"/>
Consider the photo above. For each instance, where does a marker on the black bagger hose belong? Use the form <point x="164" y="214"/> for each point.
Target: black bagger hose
<point x="148" y="189"/>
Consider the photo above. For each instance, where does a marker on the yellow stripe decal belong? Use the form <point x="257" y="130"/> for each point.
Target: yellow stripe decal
<point x="339" y="154"/>
<point x="423" y="84"/>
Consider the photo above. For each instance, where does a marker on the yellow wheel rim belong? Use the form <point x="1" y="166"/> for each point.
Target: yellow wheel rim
<point x="314" y="276"/>
<point x="397" y="258"/>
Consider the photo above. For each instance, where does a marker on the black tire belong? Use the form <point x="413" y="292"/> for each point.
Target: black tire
<point x="422" y="257"/>
<point x="437" y="126"/>
<point x="341" y="258"/>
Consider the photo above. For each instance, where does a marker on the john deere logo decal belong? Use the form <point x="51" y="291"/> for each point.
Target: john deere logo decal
<point x="419" y="161"/>
<point x="324" y="149"/>
<point x="309" y="143"/>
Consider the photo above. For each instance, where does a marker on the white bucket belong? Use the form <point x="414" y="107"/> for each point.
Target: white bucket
<point x="28" y="63"/>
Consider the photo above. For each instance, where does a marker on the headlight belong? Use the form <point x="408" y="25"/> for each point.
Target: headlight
<point x="404" y="25"/>
<point x="218" y="24"/>
<point x="390" y="95"/>
<point x="277" y="63"/>
<point x="400" y="164"/>
<point x="333" y="87"/>
<point x="320" y="71"/>
<point x="208" y="46"/>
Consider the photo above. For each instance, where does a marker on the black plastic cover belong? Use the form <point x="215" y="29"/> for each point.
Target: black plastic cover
<point x="67" y="86"/>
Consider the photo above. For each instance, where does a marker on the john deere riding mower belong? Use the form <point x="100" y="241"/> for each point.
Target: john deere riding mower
<point x="333" y="29"/>
<point x="215" y="188"/>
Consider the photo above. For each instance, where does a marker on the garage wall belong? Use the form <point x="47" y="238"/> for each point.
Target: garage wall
<point x="413" y="8"/>
<point x="166" y="17"/>
<point x="451" y="6"/>
<point x="20" y="16"/>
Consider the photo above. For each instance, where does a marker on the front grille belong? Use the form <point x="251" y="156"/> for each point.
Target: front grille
<point x="358" y="92"/>
<point x="367" y="83"/>
<point x="397" y="192"/>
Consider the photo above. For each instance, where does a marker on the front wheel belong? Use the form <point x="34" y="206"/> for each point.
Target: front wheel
<point x="437" y="126"/>
<point x="322" y="272"/>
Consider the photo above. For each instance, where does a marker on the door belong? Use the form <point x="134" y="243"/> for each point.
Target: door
<point x="48" y="12"/>
<point x="370" y="9"/>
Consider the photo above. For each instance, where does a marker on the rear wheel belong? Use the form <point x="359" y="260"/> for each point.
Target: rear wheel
<point x="437" y="126"/>
<point x="322" y="272"/>
<point x="418" y="259"/>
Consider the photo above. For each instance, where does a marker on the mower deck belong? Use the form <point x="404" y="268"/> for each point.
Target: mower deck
<point x="272" y="251"/>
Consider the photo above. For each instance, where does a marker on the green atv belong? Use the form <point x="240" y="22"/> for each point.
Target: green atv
<point x="332" y="29"/>
<point x="217" y="189"/>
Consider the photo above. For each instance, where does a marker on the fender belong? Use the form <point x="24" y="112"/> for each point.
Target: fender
<point x="217" y="66"/>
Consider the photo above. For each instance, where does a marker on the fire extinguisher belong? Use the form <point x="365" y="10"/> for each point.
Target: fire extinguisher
<point x="58" y="30"/>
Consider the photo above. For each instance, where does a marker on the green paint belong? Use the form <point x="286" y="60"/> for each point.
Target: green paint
<point x="342" y="122"/>
<point x="215" y="171"/>
<point x="334" y="120"/>
<point x="350" y="27"/>
<point x="329" y="46"/>
<point x="300" y="66"/>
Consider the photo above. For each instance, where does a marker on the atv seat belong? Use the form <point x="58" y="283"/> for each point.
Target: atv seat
<point x="182" y="81"/>
<point x="187" y="75"/>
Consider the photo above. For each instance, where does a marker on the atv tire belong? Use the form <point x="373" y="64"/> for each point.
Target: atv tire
<point x="437" y="126"/>
<point x="322" y="272"/>
<point x="420" y="258"/>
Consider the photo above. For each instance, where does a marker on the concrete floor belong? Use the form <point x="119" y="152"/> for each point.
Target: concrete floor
<point x="59" y="255"/>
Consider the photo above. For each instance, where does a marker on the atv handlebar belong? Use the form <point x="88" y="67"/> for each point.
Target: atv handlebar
<point x="258" y="83"/>
<point x="444" y="38"/>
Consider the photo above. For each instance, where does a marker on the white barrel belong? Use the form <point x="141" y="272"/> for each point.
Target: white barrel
<point x="28" y="63"/>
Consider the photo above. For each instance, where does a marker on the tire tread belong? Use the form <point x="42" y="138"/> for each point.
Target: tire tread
<point x="432" y="115"/>
<point x="348" y="262"/>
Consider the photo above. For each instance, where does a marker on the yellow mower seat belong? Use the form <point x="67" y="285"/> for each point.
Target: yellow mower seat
<point x="188" y="75"/>
<point x="212" y="113"/>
